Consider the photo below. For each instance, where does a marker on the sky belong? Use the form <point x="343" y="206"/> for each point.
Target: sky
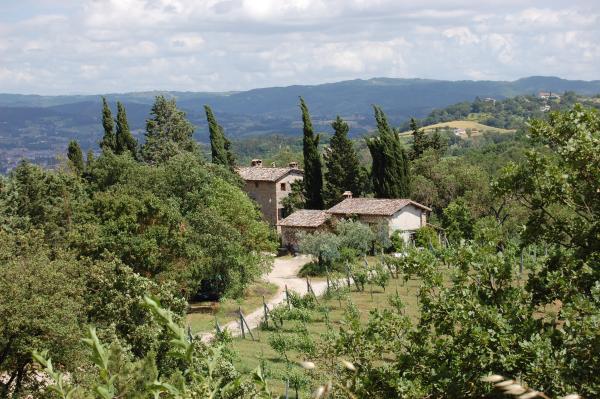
<point x="114" y="46"/>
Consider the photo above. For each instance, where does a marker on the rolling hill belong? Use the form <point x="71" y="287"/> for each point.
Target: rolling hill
<point x="38" y="127"/>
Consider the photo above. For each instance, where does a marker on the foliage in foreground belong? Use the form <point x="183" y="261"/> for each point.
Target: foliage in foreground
<point x="541" y="324"/>
<point x="199" y="371"/>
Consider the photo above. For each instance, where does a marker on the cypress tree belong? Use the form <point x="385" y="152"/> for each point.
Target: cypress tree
<point x="390" y="173"/>
<point x="313" y="174"/>
<point x="220" y="147"/>
<point x="109" y="141"/>
<point x="420" y="141"/>
<point x="75" y="157"/>
<point x="343" y="166"/>
<point x="125" y="140"/>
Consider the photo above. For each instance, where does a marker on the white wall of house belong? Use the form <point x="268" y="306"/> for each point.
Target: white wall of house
<point x="407" y="220"/>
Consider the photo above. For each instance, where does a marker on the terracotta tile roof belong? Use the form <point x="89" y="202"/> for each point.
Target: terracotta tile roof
<point x="257" y="173"/>
<point x="372" y="206"/>
<point x="305" y="218"/>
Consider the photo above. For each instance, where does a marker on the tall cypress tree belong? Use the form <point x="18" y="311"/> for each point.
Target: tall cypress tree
<point x="343" y="166"/>
<point x="313" y="173"/>
<point x="75" y="157"/>
<point x="109" y="141"/>
<point x="220" y="147"/>
<point x="125" y="140"/>
<point x="420" y="140"/>
<point x="390" y="170"/>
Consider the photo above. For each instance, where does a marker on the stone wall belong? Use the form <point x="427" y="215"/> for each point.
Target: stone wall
<point x="269" y="195"/>
<point x="263" y="192"/>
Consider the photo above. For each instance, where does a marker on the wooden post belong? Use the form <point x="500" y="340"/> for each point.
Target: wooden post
<point x="247" y="325"/>
<point x="242" y="323"/>
<point x="287" y="297"/>
<point x="217" y="326"/>
<point x="348" y="274"/>
<point x="521" y="265"/>
<point x="327" y="275"/>
<point x="287" y="387"/>
<point x="266" y="311"/>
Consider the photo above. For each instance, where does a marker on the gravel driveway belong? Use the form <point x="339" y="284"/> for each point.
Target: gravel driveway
<point x="285" y="272"/>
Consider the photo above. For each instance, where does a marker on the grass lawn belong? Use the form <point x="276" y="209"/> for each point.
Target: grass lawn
<point x="252" y="353"/>
<point x="201" y="315"/>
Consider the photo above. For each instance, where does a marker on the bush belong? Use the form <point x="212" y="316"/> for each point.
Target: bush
<point x="427" y="237"/>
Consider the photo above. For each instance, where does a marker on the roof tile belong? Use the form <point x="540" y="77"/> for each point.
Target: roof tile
<point x="257" y="173"/>
<point x="305" y="218"/>
<point x="372" y="206"/>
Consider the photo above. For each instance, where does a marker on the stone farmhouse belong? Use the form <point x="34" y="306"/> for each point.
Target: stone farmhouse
<point x="269" y="186"/>
<point x="403" y="215"/>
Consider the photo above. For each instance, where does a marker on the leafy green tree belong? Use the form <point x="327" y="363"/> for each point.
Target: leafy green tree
<point x="457" y="221"/>
<point x="313" y="173"/>
<point x="125" y="140"/>
<point x="41" y="306"/>
<point x="109" y="140"/>
<point x="168" y="132"/>
<point x="34" y="198"/>
<point x="343" y="167"/>
<point x="355" y="235"/>
<point x="181" y="220"/>
<point x="561" y="189"/>
<point x="75" y="157"/>
<point x="199" y="371"/>
<point x="390" y="170"/>
<point x="427" y="237"/>
<point x="324" y="246"/>
<point x="220" y="146"/>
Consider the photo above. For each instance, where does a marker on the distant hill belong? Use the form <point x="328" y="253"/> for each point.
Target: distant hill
<point x="40" y="126"/>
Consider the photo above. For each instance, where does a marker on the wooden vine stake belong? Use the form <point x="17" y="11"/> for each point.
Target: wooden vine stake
<point x="243" y="323"/>
<point x="287" y="297"/>
<point x="266" y="312"/>
<point x="348" y="274"/>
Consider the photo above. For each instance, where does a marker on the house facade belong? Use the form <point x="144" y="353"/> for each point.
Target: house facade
<point x="304" y="221"/>
<point x="402" y="215"/>
<point x="269" y="186"/>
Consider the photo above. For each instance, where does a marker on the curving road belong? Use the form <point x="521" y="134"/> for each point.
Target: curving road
<point x="285" y="272"/>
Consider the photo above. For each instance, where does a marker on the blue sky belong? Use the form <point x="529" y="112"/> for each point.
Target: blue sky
<point x="102" y="46"/>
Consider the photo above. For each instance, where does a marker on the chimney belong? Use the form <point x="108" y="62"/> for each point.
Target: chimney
<point x="256" y="163"/>
<point x="293" y="165"/>
<point x="347" y="194"/>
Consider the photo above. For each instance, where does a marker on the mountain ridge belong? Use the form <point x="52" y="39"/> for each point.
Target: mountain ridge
<point x="42" y="126"/>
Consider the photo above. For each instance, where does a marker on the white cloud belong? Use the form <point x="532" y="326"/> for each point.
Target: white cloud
<point x="122" y="45"/>
<point x="462" y="34"/>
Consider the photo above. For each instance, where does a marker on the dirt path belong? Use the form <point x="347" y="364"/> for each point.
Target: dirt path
<point x="285" y="272"/>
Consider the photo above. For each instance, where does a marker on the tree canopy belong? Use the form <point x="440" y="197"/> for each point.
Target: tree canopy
<point x="168" y="132"/>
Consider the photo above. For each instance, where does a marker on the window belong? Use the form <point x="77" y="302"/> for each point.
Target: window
<point x="282" y="187"/>
<point x="256" y="184"/>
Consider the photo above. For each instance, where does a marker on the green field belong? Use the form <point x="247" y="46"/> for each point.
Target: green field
<point x="463" y="124"/>
<point x="253" y="353"/>
<point x="201" y="315"/>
